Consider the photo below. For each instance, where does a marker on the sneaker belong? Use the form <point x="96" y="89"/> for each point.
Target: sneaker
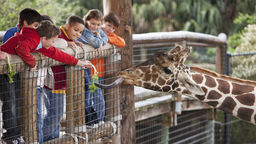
<point x="21" y="140"/>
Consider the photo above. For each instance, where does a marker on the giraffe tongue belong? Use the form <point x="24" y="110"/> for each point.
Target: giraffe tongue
<point x="109" y="86"/>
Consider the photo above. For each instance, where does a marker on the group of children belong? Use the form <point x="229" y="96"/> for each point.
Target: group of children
<point x="37" y="33"/>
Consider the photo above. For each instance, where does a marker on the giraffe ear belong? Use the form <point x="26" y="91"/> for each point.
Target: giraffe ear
<point x="190" y="84"/>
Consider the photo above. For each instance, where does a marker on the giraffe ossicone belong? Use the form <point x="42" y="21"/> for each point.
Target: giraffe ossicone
<point x="167" y="72"/>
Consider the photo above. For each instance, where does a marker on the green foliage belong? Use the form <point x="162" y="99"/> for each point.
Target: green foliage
<point x="240" y="22"/>
<point x="244" y="67"/>
<point x="59" y="11"/>
<point x="11" y="71"/>
<point x="95" y="78"/>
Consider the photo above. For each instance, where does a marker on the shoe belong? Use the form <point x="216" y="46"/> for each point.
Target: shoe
<point x="21" y="140"/>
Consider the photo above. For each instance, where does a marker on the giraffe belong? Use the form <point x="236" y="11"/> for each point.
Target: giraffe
<point x="167" y="72"/>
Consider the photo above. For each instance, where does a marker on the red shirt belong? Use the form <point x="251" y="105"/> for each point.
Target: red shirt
<point x="26" y="41"/>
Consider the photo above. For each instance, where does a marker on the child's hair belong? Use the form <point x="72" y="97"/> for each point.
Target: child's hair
<point x="93" y="14"/>
<point x="46" y="17"/>
<point x="47" y="29"/>
<point x="30" y="15"/>
<point x="74" y="19"/>
<point x="112" y="18"/>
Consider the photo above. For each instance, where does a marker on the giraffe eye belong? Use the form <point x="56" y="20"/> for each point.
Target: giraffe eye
<point x="167" y="71"/>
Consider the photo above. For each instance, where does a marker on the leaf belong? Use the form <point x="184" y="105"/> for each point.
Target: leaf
<point x="11" y="72"/>
<point x="95" y="78"/>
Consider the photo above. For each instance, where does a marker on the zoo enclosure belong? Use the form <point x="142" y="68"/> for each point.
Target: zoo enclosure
<point x="157" y="121"/>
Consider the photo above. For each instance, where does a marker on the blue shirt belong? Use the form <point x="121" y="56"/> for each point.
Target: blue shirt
<point x="92" y="39"/>
<point x="9" y="33"/>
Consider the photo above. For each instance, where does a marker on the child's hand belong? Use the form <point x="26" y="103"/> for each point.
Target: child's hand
<point x="99" y="49"/>
<point x="72" y="44"/>
<point x="33" y="69"/>
<point x="4" y="55"/>
<point x="84" y="64"/>
<point x="79" y="43"/>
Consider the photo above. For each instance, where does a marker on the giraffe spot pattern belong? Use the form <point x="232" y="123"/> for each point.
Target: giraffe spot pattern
<point x="210" y="82"/>
<point x="245" y="113"/>
<point x="223" y="86"/>
<point x="228" y="105"/>
<point x="175" y="85"/>
<point x="197" y="78"/>
<point x="166" y="88"/>
<point x="186" y="92"/>
<point x="241" y="89"/>
<point x="213" y="95"/>
<point x="213" y="103"/>
<point x="161" y="81"/>
<point x="154" y="78"/>
<point x="147" y="77"/>
<point x="202" y="97"/>
<point x="246" y="99"/>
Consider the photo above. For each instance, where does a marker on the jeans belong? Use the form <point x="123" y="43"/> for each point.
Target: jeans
<point x="41" y="97"/>
<point x="10" y="95"/>
<point x="94" y="102"/>
<point x="54" y="105"/>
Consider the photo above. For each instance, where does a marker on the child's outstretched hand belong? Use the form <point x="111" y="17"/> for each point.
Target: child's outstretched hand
<point x="4" y="55"/>
<point x="84" y="64"/>
<point x="79" y="43"/>
<point x="33" y="69"/>
<point x="72" y="44"/>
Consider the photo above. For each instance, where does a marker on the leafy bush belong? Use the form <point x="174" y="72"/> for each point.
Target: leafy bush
<point x="59" y="11"/>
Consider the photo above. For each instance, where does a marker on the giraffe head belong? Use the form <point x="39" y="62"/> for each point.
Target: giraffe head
<point x="164" y="72"/>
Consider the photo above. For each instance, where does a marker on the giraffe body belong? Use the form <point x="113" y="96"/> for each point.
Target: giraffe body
<point x="166" y="72"/>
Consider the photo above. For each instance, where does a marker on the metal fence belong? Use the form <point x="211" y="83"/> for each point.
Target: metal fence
<point x="154" y="123"/>
<point x="69" y="115"/>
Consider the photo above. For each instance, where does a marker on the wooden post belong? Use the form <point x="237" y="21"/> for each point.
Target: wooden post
<point x="28" y="104"/>
<point x="75" y="98"/>
<point x="124" y="10"/>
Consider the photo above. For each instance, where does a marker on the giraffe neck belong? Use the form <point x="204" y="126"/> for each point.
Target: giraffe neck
<point x="232" y="97"/>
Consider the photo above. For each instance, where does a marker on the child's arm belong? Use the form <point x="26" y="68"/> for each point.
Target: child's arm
<point x="23" y="50"/>
<point x="84" y="64"/>
<point x="92" y="39"/>
<point x="59" y="55"/>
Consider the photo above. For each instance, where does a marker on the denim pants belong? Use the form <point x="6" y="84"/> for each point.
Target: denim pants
<point x="94" y="102"/>
<point x="54" y="105"/>
<point x="10" y="96"/>
<point x="41" y="97"/>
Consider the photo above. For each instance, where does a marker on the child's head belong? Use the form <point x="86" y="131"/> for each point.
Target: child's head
<point x="48" y="33"/>
<point x="74" y="27"/>
<point x="46" y="17"/>
<point x="110" y="23"/>
<point x="93" y="19"/>
<point x="29" y="18"/>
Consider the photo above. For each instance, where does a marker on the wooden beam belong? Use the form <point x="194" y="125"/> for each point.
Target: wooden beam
<point x="124" y="10"/>
<point x="20" y="66"/>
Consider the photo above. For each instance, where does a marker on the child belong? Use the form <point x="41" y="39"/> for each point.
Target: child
<point x="110" y="24"/>
<point x="39" y="40"/>
<point x="70" y="32"/>
<point x="94" y="36"/>
<point x="27" y="18"/>
<point x="11" y="96"/>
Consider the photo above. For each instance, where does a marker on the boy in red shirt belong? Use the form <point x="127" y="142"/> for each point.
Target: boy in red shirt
<point x="39" y="40"/>
<point x="110" y="24"/>
<point x="70" y="32"/>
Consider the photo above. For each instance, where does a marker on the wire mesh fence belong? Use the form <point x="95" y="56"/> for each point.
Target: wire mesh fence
<point x="54" y="104"/>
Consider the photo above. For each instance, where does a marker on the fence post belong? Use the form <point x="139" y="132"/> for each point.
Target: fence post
<point x="75" y="95"/>
<point x="29" y="106"/>
<point x="124" y="10"/>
